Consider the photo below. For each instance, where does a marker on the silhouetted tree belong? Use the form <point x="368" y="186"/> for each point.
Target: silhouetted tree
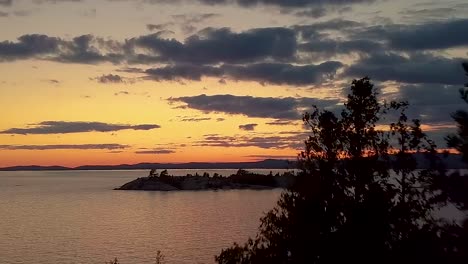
<point x="346" y="205"/>
<point x="459" y="141"/>
<point x="456" y="187"/>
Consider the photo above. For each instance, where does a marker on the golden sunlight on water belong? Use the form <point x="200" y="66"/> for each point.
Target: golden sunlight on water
<point x="76" y="217"/>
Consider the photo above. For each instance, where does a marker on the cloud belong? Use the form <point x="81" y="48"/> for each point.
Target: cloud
<point x="57" y="147"/>
<point x="293" y="141"/>
<point x="428" y="36"/>
<point x="263" y="157"/>
<point x="82" y="49"/>
<point x="188" y="22"/>
<point x="110" y="78"/>
<point x="56" y="1"/>
<point x="417" y="14"/>
<point x="413" y="68"/>
<point x="121" y="93"/>
<point x="432" y="103"/>
<point x="422" y="36"/>
<point x="6" y="2"/>
<point x="285" y="4"/>
<point x="313" y="31"/>
<point x="248" y="127"/>
<point x="325" y="48"/>
<point x="156" y="151"/>
<point x="195" y="119"/>
<point x="273" y="73"/>
<point x="281" y="123"/>
<point x="53" y="81"/>
<point x="263" y="107"/>
<point x="183" y="71"/>
<point x="89" y="50"/>
<point x="274" y="55"/>
<point x="219" y="45"/>
<point x="278" y="73"/>
<point x="65" y="127"/>
<point x="252" y="3"/>
<point x="29" y="46"/>
<point x="159" y="27"/>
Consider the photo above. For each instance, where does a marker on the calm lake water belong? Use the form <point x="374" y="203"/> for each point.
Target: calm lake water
<point x="61" y="217"/>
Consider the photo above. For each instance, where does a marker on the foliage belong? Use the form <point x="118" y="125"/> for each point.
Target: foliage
<point x="346" y="205"/>
<point x="459" y="141"/>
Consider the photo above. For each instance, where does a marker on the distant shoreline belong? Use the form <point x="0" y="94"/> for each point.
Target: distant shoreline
<point x="264" y="164"/>
<point x="451" y="161"/>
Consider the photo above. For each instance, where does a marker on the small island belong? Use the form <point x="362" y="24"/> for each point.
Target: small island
<point x="241" y="180"/>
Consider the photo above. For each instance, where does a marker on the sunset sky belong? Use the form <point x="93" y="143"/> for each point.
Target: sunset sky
<point x="129" y="81"/>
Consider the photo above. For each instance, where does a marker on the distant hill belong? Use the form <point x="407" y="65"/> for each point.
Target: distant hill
<point x="34" y="168"/>
<point x="452" y="161"/>
<point x="265" y="164"/>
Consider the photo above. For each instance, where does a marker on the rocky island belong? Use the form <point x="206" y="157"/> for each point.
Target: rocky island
<point x="241" y="180"/>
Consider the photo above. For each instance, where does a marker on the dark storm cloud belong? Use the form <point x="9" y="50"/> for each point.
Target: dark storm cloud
<point x="272" y="73"/>
<point x="220" y="45"/>
<point x="110" y="78"/>
<point x="248" y="127"/>
<point x="264" y="107"/>
<point x="64" y="127"/>
<point x="55" y="147"/>
<point x="415" y="68"/>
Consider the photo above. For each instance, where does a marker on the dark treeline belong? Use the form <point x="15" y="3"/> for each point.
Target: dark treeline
<point x="241" y="180"/>
<point x="359" y="197"/>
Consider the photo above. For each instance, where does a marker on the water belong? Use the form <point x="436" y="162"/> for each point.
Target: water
<point x="75" y="217"/>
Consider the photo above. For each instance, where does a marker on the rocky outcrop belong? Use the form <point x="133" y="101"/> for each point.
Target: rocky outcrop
<point x="147" y="184"/>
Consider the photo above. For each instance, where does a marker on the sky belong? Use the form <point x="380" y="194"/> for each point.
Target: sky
<point x="129" y="81"/>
